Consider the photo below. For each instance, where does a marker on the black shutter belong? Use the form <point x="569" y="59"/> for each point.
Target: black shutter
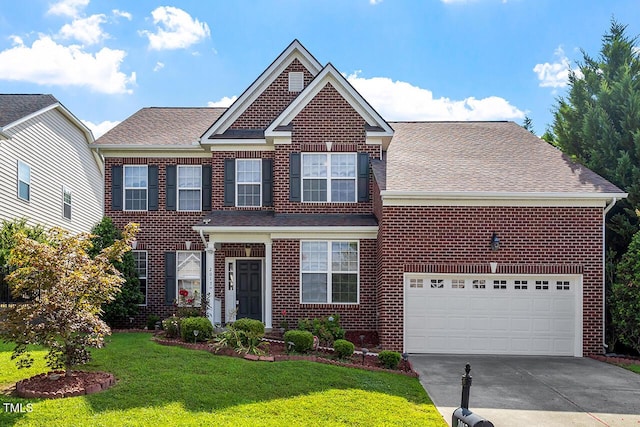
<point x="203" y="274"/>
<point x="152" y="175"/>
<point x="169" y="278"/>
<point x="363" y="177"/>
<point x="294" y="178"/>
<point x="206" y="187"/>
<point x="116" y="188"/>
<point x="267" y="182"/>
<point x="229" y="182"/>
<point x="171" y="194"/>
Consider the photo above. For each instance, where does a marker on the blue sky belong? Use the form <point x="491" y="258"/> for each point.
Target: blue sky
<point x="412" y="60"/>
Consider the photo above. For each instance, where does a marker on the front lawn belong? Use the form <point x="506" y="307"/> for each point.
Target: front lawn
<point x="160" y="385"/>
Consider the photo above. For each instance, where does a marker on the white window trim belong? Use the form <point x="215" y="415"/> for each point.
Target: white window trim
<point x="329" y="273"/>
<point x="329" y="178"/>
<point x="125" y="188"/>
<point x="238" y="183"/>
<point x="66" y="190"/>
<point x="18" y="180"/>
<point x="146" y="277"/>
<point x="178" y="188"/>
<point x="178" y="278"/>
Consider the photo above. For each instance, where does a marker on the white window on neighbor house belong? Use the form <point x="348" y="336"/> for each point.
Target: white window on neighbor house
<point x="329" y="177"/>
<point x="188" y="278"/>
<point x="189" y="188"/>
<point x="24" y="181"/>
<point x="66" y="202"/>
<point x="296" y="81"/>
<point x="136" y="184"/>
<point x="329" y="272"/>
<point x="248" y="182"/>
<point x="140" y="258"/>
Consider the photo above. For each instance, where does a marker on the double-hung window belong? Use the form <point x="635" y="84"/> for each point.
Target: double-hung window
<point x="135" y="187"/>
<point x="189" y="188"/>
<point x="66" y="202"/>
<point x="24" y="181"/>
<point x="329" y="177"/>
<point x="140" y="258"/>
<point x="249" y="182"/>
<point x="188" y="278"/>
<point x="329" y="271"/>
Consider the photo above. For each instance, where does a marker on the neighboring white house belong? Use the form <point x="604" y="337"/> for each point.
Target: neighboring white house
<point x="48" y="173"/>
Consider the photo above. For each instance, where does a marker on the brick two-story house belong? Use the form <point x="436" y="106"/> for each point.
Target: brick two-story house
<point x="301" y="198"/>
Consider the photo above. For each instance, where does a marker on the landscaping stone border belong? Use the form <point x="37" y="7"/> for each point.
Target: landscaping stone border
<point x="23" y="386"/>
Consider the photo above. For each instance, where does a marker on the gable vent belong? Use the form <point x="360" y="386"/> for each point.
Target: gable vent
<point x="296" y="81"/>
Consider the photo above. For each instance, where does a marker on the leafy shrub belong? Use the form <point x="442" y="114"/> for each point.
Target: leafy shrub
<point x="152" y="319"/>
<point x="389" y="359"/>
<point x="251" y="326"/>
<point x="171" y="327"/>
<point x="327" y="329"/>
<point x="302" y="340"/>
<point x="344" y="349"/>
<point x="200" y="324"/>
<point x="244" y="336"/>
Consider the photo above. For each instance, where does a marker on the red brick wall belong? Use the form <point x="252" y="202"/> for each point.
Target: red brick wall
<point x="533" y="239"/>
<point x="272" y="101"/>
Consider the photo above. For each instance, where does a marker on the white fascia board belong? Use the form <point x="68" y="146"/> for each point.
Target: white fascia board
<point x="342" y="232"/>
<point x="397" y="198"/>
<point x="234" y="141"/>
<point x="330" y="75"/>
<point x="159" y="147"/>
<point x="294" y="51"/>
<point x="4" y="135"/>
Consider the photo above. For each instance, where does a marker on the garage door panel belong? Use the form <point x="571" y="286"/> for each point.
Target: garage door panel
<point x="500" y="320"/>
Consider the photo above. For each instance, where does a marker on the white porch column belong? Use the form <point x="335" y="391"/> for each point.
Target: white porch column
<point x="268" y="318"/>
<point x="210" y="285"/>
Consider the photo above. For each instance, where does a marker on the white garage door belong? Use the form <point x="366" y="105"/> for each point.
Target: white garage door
<point x="532" y="315"/>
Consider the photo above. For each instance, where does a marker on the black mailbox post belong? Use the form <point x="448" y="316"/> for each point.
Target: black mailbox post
<point x="463" y="417"/>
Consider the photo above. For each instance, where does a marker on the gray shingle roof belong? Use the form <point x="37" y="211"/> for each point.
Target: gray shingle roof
<point x="271" y="219"/>
<point x="162" y="126"/>
<point x="14" y="107"/>
<point x="482" y="157"/>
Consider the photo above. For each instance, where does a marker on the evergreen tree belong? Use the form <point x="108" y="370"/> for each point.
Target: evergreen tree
<point x="527" y="123"/>
<point x="598" y="124"/>
<point x="125" y="305"/>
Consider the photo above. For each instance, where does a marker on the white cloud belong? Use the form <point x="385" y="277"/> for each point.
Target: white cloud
<point x="49" y="63"/>
<point x="67" y="7"/>
<point x="120" y="13"/>
<point x="225" y="101"/>
<point x="554" y="74"/>
<point x="86" y="30"/>
<point x="159" y="66"/>
<point x="175" y="29"/>
<point x="100" y="128"/>
<point x="396" y="100"/>
<point x="465" y="1"/>
<point x="374" y="2"/>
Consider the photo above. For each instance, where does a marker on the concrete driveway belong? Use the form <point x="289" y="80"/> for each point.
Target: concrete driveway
<point x="540" y="391"/>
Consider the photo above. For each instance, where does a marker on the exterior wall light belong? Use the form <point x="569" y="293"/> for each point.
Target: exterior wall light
<point x="495" y="242"/>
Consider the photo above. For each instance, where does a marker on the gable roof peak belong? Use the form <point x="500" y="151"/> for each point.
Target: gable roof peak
<point x="294" y="51"/>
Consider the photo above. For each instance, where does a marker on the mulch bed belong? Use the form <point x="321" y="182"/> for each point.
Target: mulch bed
<point x="77" y="383"/>
<point x="277" y="352"/>
<point x="617" y="360"/>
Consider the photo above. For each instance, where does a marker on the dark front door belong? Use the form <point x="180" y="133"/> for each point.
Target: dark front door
<point x="249" y="289"/>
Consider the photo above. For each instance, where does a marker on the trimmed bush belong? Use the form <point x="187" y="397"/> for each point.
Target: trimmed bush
<point x="200" y="324"/>
<point x="171" y="327"/>
<point x="302" y="340"/>
<point x="389" y="359"/>
<point x="151" y="321"/>
<point x="344" y="349"/>
<point x="251" y="326"/>
<point x="327" y="329"/>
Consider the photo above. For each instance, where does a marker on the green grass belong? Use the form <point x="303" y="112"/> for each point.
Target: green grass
<point x="633" y="367"/>
<point x="160" y="385"/>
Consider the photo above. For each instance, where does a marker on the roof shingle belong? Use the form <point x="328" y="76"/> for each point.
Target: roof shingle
<point x="14" y="107"/>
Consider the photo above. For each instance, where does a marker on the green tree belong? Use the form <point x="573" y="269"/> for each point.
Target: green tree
<point x="624" y="300"/>
<point x="527" y="123"/>
<point x="65" y="287"/>
<point x="598" y="124"/>
<point x="125" y="305"/>
<point x="8" y="236"/>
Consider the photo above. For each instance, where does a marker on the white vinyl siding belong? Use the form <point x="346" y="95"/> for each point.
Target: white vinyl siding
<point x="57" y="152"/>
